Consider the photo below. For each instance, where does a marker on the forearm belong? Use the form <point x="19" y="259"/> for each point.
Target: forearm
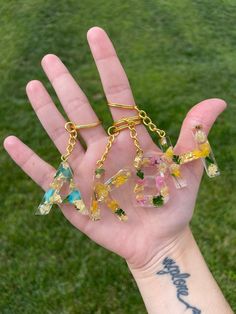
<point x="179" y="281"/>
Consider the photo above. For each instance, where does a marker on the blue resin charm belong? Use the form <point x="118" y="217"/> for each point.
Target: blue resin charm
<point x="52" y="196"/>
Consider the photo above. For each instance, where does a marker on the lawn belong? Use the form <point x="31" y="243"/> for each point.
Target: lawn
<point x="176" y="53"/>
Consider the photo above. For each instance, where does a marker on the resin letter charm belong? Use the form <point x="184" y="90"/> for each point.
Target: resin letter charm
<point x="52" y="195"/>
<point x="205" y="152"/>
<point x="151" y="188"/>
<point x="101" y="193"/>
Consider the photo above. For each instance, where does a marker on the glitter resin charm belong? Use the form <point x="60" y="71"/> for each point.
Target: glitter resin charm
<point x="152" y="171"/>
<point x="172" y="161"/>
<point x="204" y="152"/>
<point x="52" y="196"/>
<point x="151" y="189"/>
<point x="101" y="193"/>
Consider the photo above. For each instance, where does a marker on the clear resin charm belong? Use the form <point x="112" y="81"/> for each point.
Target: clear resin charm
<point x="173" y="162"/>
<point x="204" y="152"/>
<point x="165" y="143"/>
<point x="101" y="193"/>
<point x="52" y="195"/>
<point x="75" y="199"/>
<point x="151" y="189"/>
<point x="115" y="208"/>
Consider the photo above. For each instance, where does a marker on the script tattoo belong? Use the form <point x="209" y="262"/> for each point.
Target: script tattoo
<point x="179" y="280"/>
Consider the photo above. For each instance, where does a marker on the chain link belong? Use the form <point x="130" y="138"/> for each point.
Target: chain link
<point x="148" y="122"/>
<point x="71" y="129"/>
<point x="143" y="115"/>
<point x="114" y="131"/>
<point x="134" y="136"/>
<point x="111" y="139"/>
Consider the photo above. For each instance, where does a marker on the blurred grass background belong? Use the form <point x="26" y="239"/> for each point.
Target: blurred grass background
<point x="176" y="53"/>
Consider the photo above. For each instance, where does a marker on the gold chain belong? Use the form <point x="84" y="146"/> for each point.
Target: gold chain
<point x="148" y="122"/>
<point x="71" y="129"/>
<point x="134" y="136"/>
<point x="123" y="122"/>
<point x="114" y="131"/>
<point x="111" y="139"/>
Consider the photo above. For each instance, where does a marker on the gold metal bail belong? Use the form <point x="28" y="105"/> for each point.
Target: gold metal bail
<point x="121" y="106"/>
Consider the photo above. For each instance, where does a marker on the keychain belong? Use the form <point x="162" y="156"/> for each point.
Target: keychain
<point x="152" y="170"/>
<point x="101" y="189"/>
<point x="63" y="177"/>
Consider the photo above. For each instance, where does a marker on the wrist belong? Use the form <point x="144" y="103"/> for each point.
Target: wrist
<point x="177" y="280"/>
<point x="174" y="247"/>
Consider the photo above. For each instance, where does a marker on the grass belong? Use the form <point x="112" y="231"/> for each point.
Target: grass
<point x="176" y="53"/>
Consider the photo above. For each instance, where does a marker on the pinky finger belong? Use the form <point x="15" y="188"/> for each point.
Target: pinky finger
<point x="35" y="167"/>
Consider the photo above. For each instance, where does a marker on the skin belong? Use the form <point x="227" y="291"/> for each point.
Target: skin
<point x="149" y="233"/>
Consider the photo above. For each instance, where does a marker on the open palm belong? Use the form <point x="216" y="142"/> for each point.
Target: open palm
<point x="148" y="230"/>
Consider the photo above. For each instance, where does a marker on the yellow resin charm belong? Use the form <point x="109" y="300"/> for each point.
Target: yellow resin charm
<point x="204" y="152"/>
<point x="102" y="193"/>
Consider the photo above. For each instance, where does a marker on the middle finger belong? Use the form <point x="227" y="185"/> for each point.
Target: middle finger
<point x="114" y="80"/>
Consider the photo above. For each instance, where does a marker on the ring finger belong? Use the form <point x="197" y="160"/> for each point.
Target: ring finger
<point x="72" y="98"/>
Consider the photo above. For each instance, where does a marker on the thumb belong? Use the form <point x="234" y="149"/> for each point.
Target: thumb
<point x="204" y="113"/>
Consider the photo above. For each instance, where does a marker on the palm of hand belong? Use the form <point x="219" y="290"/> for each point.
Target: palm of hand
<point x="148" y="230"/>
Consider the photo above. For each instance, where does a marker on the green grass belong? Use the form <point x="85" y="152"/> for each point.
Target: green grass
<point x="176" y="53"/>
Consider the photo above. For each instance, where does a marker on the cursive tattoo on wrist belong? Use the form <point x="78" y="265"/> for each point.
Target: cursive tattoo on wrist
<point x="179" y="280"/>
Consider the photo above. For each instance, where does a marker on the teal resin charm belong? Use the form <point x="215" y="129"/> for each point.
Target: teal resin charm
<point x="64" y="175"/>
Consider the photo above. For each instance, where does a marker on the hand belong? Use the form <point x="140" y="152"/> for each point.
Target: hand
<point x="148" y="232"/>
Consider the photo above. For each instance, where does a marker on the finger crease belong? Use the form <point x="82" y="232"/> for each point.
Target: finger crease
<point x="43" y="106"/>
<point x="59" y="76"/>
<point x="106" y="58"/>
<point x="75" y="105"/>
<point x="117" y="89"/>
<point x="26" y="161"/>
